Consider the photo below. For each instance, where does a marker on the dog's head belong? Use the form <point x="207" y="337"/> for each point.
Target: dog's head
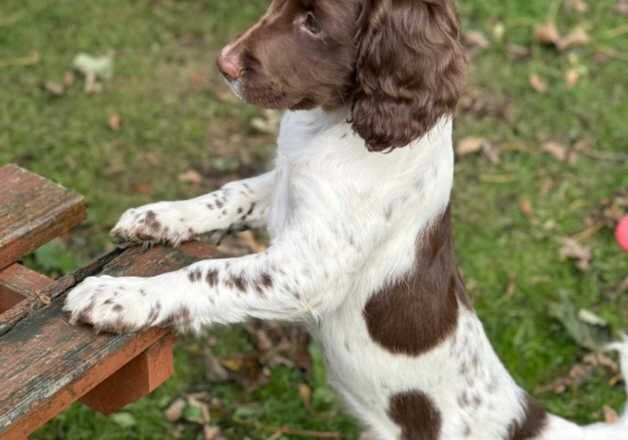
<point x="398" y="64"/>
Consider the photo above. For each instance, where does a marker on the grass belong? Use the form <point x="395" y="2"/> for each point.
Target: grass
<point x="177" y="116"/>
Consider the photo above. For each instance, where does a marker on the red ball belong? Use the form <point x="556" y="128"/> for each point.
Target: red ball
<point x="621" y="233"/>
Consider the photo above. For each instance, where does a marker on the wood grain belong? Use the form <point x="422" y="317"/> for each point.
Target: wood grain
<point x="33" y="211"/>
<point x="48" y="364"/>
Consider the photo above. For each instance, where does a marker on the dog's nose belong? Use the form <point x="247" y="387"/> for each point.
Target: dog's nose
<point x="229" y="65"/>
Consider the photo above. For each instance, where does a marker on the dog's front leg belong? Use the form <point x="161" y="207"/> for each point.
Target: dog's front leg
<point x="240" y="204"/>
<point x="290" y="281"/>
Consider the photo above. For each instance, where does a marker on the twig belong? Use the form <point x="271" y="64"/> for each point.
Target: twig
<point x="28" y="60"/>
<point x="281" y="430"/>
<point x="602" y="155"/>
<point x="588" y="232"/>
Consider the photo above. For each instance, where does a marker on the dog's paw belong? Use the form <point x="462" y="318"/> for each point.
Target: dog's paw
<point x="155" y="223"/>
<point x="114" y="305"/>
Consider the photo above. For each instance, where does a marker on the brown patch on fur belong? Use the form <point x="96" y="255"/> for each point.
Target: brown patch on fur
<point x="534" y="420"/>
<point x="240" y="283"/>
<point x="266" y="280"/>
<point x="212" y="278"/>
<point x="417" y="416"/>
<point x="417" y="312"/>
<point x="195" y="275"/>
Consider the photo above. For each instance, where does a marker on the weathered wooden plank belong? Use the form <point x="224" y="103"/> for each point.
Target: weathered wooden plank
<point x="135" y="380"/>
<point x="18" y="286"/>
<point x="24" y="281"/>
<point x="33" y="211"/>
<point x="48" y="364"/>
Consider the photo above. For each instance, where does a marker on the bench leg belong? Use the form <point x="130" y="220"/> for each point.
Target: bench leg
<point x="135" y="380"/>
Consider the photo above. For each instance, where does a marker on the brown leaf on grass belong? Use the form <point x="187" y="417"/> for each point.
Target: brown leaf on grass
<point x="574" y="250"/>
<point x="610" y="415"/>
<point x="475" y="41"/>
<point x="191" y="176"/>
<point x="142" y="188"/>
<point x="559" y="151"/>
<point x="579" y="6"/>
<point x="547" y="34"/>
<point x="472" y="145"/>
<point x="54" y="88"/>
<point x="579" y="373"/>
<point x="150" y="157"/>
<point x="305" y="392"/>
<point x="482" y="103"/>
<point x="174" y="412"/>
<point x="512" y="284"/>
<point x="469" y="145"/>
<point x="537" y="83"/>
<point x="68" y="79"/>
<point x="577" y="37"/>
<point x="525" y="206"/>
<point x="622" y="6"/>
<point x="211" y="432"/>
<point x="571" y="77"/>
<point x="214" y="371"/>
<point x="516" y="52"/>
<point x="115" y="122"/>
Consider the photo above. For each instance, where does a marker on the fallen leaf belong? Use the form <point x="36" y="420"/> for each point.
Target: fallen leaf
<point x="547" y="34"/>
<point x="571" y="77"/>
<point x="142" y="188"/>
<point x="516" y="52"/>
<point x="469" y="145"/>
<point x="577" y="37"/>
<point x="54" y="88"/>
<point x="574" y="250"/>
<point x="195" y="79"/>
<point x="557" y="150"/>
<point x="174" y="412"/>
<point x="537" y="83"/>
<point x="68" y="79"/>
<point x="579" y="6"/>
<point x="211" y="432"/>
<point x="610" y="415"/>
<point x="525" y="206"/>
<point x="305" y="392"/>
<point x="512" y="285"/>
<point x="115" y="122"/>
<point x="191" y="176"/>
<point x="476" y="41"/>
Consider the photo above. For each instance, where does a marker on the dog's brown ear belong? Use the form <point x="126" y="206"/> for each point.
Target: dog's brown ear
<point x="409" y="70"/>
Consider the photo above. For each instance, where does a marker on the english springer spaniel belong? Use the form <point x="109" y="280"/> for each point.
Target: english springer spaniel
<point x="358" y="208"/>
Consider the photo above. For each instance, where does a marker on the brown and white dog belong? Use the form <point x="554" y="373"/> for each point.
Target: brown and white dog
<point x="358" y="208"/>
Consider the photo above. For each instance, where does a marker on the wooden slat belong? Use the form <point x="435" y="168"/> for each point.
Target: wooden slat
<point x="24" y="281"/>
<point x="33" y="211"/>
<point x="48" y="364"/>
<point x="135" y="380"/>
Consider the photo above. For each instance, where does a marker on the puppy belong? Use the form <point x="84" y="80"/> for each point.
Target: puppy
<point x="358" y="209"/>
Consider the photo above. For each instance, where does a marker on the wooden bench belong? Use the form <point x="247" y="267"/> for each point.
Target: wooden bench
<point x="46" y="364"/>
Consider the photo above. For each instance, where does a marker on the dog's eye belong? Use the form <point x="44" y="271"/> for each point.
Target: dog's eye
<point x="311" y="23"/>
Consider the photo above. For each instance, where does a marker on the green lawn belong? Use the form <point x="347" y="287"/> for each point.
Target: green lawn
<point x="178" y="116"/>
